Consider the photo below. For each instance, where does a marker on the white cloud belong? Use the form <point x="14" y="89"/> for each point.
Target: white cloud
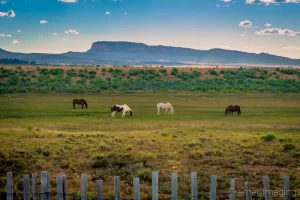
<point x="125" y="13"/>
<point x="226" y="1"/>
<point x="55" y="34"/>
<point x="218" y="5"/>
<point x="246" y="24"/>
<point x="3" y="35"/>
<point x="292" y="48"/>
<point x="68" y="1"/>
<point x="268" y="2"/>
<point x="223" y="47"/>
<point x="64" y="39"/>
<point x="107" y="13"/>
<point x="19" y="31"/>
<point x="16" y="41"/>
<point x="3" y="2"/>
<point x="268" y="24"/>
<point x="72" y="32"/>
<point x="43" y="21"/>
<point x="10" y="13"/>
<point x="277" y="31"/>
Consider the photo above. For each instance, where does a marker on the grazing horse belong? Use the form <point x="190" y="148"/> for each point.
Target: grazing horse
<point x="120" y="108"/>
<point x="81" y="102"/>
<point x="167" y="106"/>
<point x="231" y="109"/>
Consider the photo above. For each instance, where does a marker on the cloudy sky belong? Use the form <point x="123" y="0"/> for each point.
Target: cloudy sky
<point x="55" y="26"/>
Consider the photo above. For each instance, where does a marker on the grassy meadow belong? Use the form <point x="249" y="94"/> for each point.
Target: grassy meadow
<point x="43" y="132"/>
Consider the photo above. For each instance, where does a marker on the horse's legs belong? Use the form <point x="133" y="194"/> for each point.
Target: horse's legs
<point x="158" y="109"/>
<point x="123" y="115"/>
<point x="112" y="114"/>
<point x="166" y="111"/>
<point x="81" y="106"/>
<point x="73" y="105"/>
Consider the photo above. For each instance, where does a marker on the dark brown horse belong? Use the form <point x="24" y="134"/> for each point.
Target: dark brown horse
<point x="231" y="109"/>
<point x="81" y="102"/>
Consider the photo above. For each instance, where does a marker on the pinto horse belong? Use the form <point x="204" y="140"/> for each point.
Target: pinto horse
<point x="81" y="102"/>
<point x="230" y="109"/>
<point x="120" y="108"/>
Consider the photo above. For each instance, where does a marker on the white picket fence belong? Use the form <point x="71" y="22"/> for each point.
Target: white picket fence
<point x="61" y="182"/>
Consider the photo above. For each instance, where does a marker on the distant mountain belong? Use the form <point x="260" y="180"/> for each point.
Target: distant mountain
<point x="130" y="53"/>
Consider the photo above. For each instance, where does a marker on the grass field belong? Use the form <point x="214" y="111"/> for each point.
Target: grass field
<point x="43" y="132"/>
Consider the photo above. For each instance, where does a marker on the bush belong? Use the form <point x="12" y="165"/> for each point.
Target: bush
<point x="174" y="71"/>
<point x="213" y="72"/>
<point x="268" y="138"/>
<point x="56" y="71"/>
<point x="71" y="72"/>
<point x="145" y="174"/>
<point x="288" y="147"/>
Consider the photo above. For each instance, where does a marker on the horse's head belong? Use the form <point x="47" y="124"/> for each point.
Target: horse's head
<point x="130" y="113"/>
<point x="172" y="111"/>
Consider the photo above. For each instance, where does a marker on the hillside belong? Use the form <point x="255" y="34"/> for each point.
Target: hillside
<point x="97" y="79"/>
<point x="130" y="53"/>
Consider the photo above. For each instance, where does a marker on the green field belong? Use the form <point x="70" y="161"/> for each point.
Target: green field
<point x="43" y="132"/>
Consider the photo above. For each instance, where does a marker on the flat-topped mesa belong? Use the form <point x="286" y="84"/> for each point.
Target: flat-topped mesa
<point x="118" y="46"/>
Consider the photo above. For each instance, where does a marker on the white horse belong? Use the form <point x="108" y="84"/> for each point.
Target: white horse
<point x="120" y="108"/>
<point x="167" y="106"/>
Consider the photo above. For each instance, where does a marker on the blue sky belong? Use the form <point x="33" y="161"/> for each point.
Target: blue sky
<point x="57" y="26"/>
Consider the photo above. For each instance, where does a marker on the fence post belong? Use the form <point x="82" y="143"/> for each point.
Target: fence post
<point x="48" y="186"/>
<point x="34" y="187"/>
<point x="174" y="186"/>
<point x="9" y="186"/>
<point x="194" y="186"/>
<point x="84" y="182"/>
<point x="232" y="189"/>
<point x="65" y="192"/>
<point x="136" y="190"/>
<point x="287" y="191"/>
<point x="213" y="187"/>
<point x="155" y="185"/>
<point x="100" y="189"/>
<point x="117" y="187"/>
<point x="248" y="192"/>
<point x="26" y="179"/>
<point x="44" y="185"/>
<point x="267" y="191"/>
<point x="59" y="187"/>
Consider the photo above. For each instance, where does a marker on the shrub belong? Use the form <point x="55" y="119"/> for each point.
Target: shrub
<point x="288" y="147"/>
<point x="213" y="72"/>
<point x="56" y="71"/>
<point x="71" y="72"/>
<point x="268" y="138"/>
<point x="174" y="71"/>
<point x="145" y="174"/>
<point x="100" y="161"/>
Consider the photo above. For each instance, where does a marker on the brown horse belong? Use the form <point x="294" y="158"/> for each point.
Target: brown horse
<point x="231" y="109"/>
<point x="81" y="102"/>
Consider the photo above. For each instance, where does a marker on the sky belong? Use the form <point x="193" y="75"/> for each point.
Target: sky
<point x="57" y="26"/>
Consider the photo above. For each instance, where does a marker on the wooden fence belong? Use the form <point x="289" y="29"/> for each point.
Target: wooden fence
<point x="61" y="184"/>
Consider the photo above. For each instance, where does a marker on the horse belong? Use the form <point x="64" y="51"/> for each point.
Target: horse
<point x="167" y="106"/>
<point x="81" y="102"/>
<point x="231" y="109"/>
<point x="120" y="108"/>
